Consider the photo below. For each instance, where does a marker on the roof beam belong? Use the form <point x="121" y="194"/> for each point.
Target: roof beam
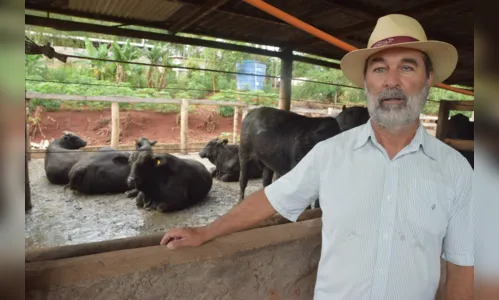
<point x="112" y="30"/>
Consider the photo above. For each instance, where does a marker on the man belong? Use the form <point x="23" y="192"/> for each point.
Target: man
<point x="391" y="194"/>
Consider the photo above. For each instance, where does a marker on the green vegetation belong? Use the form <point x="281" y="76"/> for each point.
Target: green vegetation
<point x="93" y="78"/>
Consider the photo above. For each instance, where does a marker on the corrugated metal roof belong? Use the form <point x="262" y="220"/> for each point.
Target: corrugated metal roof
<point x="150" y="10"/>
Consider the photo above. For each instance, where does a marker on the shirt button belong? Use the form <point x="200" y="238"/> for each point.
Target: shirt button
<point x="385" y="236"/>
<point x="388" y="197"/>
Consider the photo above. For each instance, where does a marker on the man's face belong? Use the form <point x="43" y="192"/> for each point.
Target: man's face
<point x="396" y="86"/>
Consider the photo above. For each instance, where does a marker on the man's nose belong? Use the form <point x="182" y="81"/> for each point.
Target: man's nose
<point x="392" y="79"/>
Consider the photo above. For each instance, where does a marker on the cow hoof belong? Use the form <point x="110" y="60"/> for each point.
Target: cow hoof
<point x="161" y="209"/>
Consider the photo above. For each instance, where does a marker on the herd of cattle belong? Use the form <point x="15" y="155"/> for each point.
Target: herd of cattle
<point x="272" y="142"/>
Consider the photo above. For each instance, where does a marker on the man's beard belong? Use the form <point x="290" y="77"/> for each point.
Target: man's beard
<point x="396" y="115"/>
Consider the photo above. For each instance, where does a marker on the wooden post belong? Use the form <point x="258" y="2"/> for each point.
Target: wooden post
<point x="115" y="124"/>
<point x="28" y="138"/>
<point x="27" y="188"/>
<point x="286" y="74"/>
<point x="245" y="112"/>
<point x="443" y="116"/>
<point x="184" y="125"/>
<point x="236" y="121"/>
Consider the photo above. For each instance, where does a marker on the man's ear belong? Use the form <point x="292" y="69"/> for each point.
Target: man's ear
<point x="430" y="79"/>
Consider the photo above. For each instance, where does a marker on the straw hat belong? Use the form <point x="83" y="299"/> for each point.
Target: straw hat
<point x="397" y="30"/>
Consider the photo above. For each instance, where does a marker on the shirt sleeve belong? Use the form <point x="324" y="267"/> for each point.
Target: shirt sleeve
<point x="459" y="241"/>
<point x="299" y="188"/>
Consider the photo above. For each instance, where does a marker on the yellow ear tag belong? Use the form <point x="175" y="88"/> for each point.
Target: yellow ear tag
<point x="158" y="161"/>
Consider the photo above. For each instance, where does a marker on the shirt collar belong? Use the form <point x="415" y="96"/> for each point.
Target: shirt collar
<point x="422" y="139"/>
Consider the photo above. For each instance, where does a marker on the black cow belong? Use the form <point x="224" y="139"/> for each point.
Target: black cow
<point x="226" y="160"/>
<point x="168" y="183"/>
<point x="103" y="172"/>
<point x="279" y="139"/>
<point x="460" y="127"/>
<point x="352" y="117"/>
<point x="61" y="155"/>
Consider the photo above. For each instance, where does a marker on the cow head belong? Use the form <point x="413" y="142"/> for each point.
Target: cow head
<point x="143" y="142"/>
<point x="71" y="141"/>
<point x="143" y="167"/>
<point x="211" y="149"/>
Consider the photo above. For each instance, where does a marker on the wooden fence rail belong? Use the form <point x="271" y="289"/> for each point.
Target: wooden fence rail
<point x="428" y="121"/>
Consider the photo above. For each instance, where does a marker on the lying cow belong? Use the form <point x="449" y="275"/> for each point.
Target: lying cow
<point x="279" y="139"/>
<point x="102" y="172"/>
<point x="226" y="160"/>
<point x="61" y="155"/>
<point x="168" y="183"/>
<point x="352" y="117"/>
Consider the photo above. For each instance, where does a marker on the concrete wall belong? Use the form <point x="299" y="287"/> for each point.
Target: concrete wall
<point x="270" y="263"/>
<point x="276" y="262"/>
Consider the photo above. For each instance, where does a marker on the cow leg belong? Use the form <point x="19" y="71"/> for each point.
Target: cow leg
<point x="75" y="175"/>
<point x="230" y="177"/>
<point x="176" y="199"/>
<point x="140" y="200"/>
<point x="243" y="176"/>
<point x="267" y="176"/>
<point x="213" y="171"/>
<point x="132" y="193"/>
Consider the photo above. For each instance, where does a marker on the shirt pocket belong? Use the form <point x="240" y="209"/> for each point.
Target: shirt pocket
<point x="424" y="206"/>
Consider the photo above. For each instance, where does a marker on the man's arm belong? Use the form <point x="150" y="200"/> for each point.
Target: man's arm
<point x="459" y="282"/>
<point x="253" y="210"/>
<point x="288" y="196"/>
<point x="459" y="240"/>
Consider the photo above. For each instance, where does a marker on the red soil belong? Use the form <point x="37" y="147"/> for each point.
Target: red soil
<point x="152" y="125"/>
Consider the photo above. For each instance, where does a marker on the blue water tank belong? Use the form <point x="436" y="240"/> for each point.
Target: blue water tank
<point x="250" y="82"/>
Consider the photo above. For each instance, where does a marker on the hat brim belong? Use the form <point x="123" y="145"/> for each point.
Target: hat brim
<point x="443" y="56"/>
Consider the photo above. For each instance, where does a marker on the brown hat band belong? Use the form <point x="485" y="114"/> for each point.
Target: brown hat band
<point x="394" y="40"/>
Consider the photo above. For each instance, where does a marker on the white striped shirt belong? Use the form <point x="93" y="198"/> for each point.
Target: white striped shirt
<point x="384" y="222"/>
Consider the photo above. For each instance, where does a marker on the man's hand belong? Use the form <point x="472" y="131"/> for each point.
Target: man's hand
<point x="185" y="237"/>
<point x="253" y="210"/>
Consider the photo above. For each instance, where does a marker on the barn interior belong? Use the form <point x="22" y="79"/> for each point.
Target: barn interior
<point x="277" y="260"/>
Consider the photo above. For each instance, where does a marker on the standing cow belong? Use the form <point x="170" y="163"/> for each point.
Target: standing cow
<point x="225" y="157"/>
<point x="279" y="139"/>
<point x="168" y="183"/>
<point x="61" y="155"/>
<point x="352" y="117"/>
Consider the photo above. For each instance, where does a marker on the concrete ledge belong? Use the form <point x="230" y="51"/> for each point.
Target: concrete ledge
<point x="275" y="262"/>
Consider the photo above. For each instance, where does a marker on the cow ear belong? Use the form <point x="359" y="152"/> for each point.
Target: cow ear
<point x="223" y="142"/>
<point x="344" y="107"/>
<point x="153" y="143"/>
<point x="120" y="159"/>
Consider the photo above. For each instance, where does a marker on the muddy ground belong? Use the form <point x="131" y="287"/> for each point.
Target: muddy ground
<point x="63" y="217"/>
